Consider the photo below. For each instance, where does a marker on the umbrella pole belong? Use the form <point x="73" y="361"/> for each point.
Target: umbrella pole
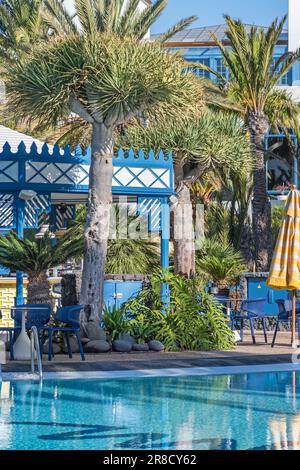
<point x="294" y="344"/>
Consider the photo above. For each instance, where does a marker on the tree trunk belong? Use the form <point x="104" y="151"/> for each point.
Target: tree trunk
<point x="38" y="291"/>
<point x="262" y="223"/>
<point x="98" y="218"/>
<point x="184" y="238"/>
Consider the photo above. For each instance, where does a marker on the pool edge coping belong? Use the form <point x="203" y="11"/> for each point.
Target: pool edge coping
<point x="152" y="373"/>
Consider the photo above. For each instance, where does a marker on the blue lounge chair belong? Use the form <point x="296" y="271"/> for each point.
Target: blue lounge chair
<point x="70" y="316"/>
<point x="250" y="310"/>
<point x="285" y="316"/>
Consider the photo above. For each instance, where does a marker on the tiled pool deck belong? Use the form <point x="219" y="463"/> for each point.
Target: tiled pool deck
<point x="245" y="354"/>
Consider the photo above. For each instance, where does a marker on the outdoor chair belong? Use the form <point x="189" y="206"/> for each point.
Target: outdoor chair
<point x="70" y="317"/>
<point x="285" y="316"/>
<point x="11" y="333"/>
<point x="250" y="310"/>
<point x="37" y="315"/>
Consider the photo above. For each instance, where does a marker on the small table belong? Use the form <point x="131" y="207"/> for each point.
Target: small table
<point x="22" y="346"/>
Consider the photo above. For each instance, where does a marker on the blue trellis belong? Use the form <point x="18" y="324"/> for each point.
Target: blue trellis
<point x="53" y="170"/>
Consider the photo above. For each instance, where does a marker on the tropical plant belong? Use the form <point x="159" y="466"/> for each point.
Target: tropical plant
<point x="252" y="83"/>
<point x="115" y="322"/>
<point x="107" y="80"/>
<point x="21" y="26"/>
<point x="35" y="256"/>
<point x="188" y="321"/>
<point x="124" y="255"/>
<point x="201" y="144"/>
<point x="122" y="17"/>
<point x="220" y="263"/>
<point x="277" y="217"/>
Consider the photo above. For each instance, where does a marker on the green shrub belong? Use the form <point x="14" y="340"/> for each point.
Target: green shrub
<point x="189" y="321"/>
<point x="115" y="322"/>
<point x="220" y="263"/>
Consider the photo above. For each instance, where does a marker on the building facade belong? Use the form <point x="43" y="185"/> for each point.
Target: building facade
<point x="199" y="46"/>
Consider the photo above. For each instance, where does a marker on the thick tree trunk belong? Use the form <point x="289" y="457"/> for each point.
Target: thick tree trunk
<point x="262" y="223"/>
<point x="97" y="227"/>
<point x="184" y="237"/>
<point x="38" y="291"/>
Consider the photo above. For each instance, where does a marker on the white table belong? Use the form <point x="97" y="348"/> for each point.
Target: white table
<point x="22" y="347"/>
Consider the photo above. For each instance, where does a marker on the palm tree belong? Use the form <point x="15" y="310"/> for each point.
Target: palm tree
<point x="124" y="255"/>
<point x="21" y="27"/>
<point x="253" y="78"/>
<point x="106" y="80"/>
<point x="35" y="256"/>
<point x="200" y="144"/>
<point x="122" y="17"/>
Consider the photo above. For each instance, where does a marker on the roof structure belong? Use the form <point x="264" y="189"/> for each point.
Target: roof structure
<point x="14" y="138"/>
<point x="204" y="34"/>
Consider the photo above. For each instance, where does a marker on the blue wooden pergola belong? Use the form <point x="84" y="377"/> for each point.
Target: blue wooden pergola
<point x="37" y="186"/>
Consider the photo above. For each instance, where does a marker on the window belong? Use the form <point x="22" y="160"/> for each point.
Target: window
<point x="221" y="68"/>
<point x="199" y="72"/>
<point x="286" y="80"/>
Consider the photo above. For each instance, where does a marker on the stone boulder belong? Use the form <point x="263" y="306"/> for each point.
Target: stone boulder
<point x="156" y="346"/>
<point x="73" y="344"/>
<point x="93" y="331"/>
<point x="128" y="338"/>
<point x="120" y="345"/>
<point x="97" y="346"/>
<point x="140" y="347"/>
<point x="56" y="347"/>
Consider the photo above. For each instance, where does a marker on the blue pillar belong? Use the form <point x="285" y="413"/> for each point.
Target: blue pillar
<point x="20" y="215"/>
<point x="165" y="241"/>
<point x="295" y="170"/>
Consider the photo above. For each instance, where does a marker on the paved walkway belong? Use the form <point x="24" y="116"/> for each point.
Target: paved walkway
<point x="244" y="354"/>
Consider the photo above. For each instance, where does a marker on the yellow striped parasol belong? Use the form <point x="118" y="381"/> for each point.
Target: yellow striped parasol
<point x="285" y="268"/>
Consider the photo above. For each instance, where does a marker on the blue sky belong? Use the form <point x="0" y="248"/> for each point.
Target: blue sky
<point x="210" y="12"/>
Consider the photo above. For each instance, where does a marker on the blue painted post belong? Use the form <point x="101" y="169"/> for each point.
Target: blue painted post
<point x="20" y="214"/>
<point x="165" y="241"/>
<point x="20" y="220"/>
<point x="295" y="170"/>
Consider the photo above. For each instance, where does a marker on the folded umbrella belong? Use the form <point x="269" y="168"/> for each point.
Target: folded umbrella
<point x="285" y="268"/>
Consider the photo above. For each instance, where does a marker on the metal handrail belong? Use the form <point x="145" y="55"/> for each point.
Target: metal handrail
<point x="35" y="349"/>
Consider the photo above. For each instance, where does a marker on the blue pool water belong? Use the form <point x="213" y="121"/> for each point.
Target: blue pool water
<point x="249" y="411"/>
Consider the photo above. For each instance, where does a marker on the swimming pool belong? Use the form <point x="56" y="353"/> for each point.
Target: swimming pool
<point x="246" y="411"/>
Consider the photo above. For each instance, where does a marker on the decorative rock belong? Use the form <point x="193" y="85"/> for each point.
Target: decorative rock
<point x="128" y="338"/>
<point x="85" y="340"/>
<point x="98" y="346"/>
<point x="56" y="347"/>
<point x="140" y="347"/>
<point x="120" y="345"/>
<point x="73" y="344"/>
<point x="156" y="346"/>
<point x="94" y="332"/>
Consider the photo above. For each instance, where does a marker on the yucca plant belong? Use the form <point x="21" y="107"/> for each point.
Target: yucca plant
<point x="253" y="78"/>
<point x="201" y="143"/>
<point x="34" y="256"/>
<point x="107" y="80"/>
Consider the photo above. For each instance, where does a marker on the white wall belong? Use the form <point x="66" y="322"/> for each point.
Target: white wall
<point x="294" y="25"/>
